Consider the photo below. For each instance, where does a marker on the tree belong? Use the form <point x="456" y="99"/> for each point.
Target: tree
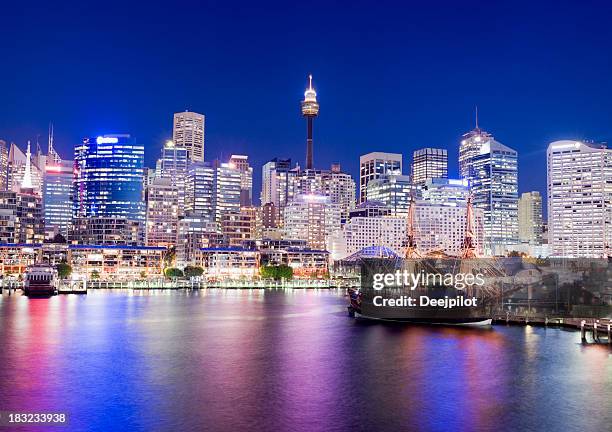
<point x="95" y="275"/>
<point x="278" y="272"/>
<point x="193" y="271"/>
<point x="173" y="272"/>
<point x="64" y="270"/>
<point x="143" y="274"/>
<point x="283" y="271"/>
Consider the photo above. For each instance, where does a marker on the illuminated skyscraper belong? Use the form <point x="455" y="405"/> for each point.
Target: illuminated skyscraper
<point x="108" y="181"/>
<point x="429" y="163"/>
<point x="57" y="196"/>
<point x="3" y="166"/>
<point x="275" y="182"/>
<point x="530" y="218"/>
<point x="310" y="110"/>
<point x="241" y="162"/>
<point x="188" y="132"/>
<point x="173" y="165"/>
<point x="162" y="212"/>
<point x="312" y="218"/>
<point x="579" y="199"/>
<point x="492" y="171"/>
<point x="375" y="164"/>
<point x="392" y="190"/>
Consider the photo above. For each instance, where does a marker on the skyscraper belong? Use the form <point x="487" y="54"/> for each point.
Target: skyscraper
<point x="108" y="179"/>
<point x="188" y="132"/>
<point x="241" y="163"/>
<point x="3" y="166"/>
<point x="492" y="171"/>
<point x="275" y="182"/>
<point x="310" y="110"/>
<point x="312" y="218"/>
<point x="57" y="198"/>
<point x="579" y="176"/>
<point x="173" y="165"/>
<point x="226" y="193"/>
<point x="373" y="165"/>
<point x="162" y="212"/>
<point x="429" y="163"/>
<point x="199" y="190"/>
<point x="392" y="190"/>
<point x="530" y="218"/>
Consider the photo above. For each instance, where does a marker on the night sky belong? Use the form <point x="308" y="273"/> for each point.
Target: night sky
<point x="390" y="76"/>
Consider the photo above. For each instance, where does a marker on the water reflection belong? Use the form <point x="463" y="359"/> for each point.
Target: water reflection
<point x="287" y="360"/>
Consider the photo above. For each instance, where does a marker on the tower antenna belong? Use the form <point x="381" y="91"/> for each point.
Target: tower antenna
<point x="476" y="116"/>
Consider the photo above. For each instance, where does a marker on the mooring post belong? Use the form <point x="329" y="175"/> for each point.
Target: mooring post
<point x="595" y="335"/>
<point x="609" y="334"/>
<point x="582" y="331"/>
<point x="546" y="321"/>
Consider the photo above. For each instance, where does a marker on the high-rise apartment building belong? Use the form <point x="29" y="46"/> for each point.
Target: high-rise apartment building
<point x="3" y="166"/>
<point x="312" y="218"/>
<point x="275" y="182"/>
<point x="227" y="188"/>
<point x="199" y="189"/>
<point x="429" y="163"/>
<point x="376" y="164"/>
<point x="239" y="227"/>
<point x="188" y="132"/>
<point x="241" y="162"/>
<point x="579" y="178"/>
<point x="530" y="218"/>
<point x="492" y="171"/>
<point x="162" y="212"/>
<point x="57" y="198"/>
<point x="174" y="165"/>
<point x="21" y="218"/>
<point x="335" y="184"/>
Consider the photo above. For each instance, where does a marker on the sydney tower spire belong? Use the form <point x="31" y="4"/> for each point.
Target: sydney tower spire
<point x="310" y="110"/>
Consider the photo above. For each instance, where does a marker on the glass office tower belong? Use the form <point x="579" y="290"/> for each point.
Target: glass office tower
<point x="108" y="178"/>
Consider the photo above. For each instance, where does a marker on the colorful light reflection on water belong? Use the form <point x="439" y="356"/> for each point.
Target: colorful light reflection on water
<point x="287" y="360"/>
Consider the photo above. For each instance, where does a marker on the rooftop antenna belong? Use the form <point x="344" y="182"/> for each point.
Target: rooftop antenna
<point x="476" y="116"/>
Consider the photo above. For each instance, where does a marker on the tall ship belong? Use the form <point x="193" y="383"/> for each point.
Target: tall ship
<point x="41" y="280"/>
<point x="430" y="288"/>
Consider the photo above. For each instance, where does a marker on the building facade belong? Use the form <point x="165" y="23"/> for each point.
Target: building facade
<point x="162" y="212"/>
<point x="491" y="169"/>
<point x="312" y="218"/>
<point x="531" y="226"/>
<point x="189" y="132"/>
<point x="373" y="165"/>
<point x="579" y="182"/>
<point x="429" y="163"/>
<point x="57" y="198"/>
<point x="108" y="185"/>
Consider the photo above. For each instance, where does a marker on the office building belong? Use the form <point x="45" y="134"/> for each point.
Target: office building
<point x="239" y="227"/>
<point x="199" y="190"/>
<point x="579" y="178"/>
<point x="108" y="186"/>
<point x="227" y="189"/>
<point x="275" y="182"/>
<point x="429" y="163"/>
<point x="195" y="232"/>
<point x="3" y="166"/>
<point x="188" y="132"/>
<point x="392" y="190"/>
<point x="312" y="218"/>
<point x="492" y="171"/>
<point x="57" y="198"/>
<point x="241" y="163"/>
<point x="444" y="191"/>
<point x="530" y="218"/>
<point x="376" y="164"/>
<point x="174" y="164"/>
<point x="162" y="212"/>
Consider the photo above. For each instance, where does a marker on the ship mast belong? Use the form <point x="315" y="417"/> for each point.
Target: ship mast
<point x="469" y="243"/>
<point x="412" y="250"/>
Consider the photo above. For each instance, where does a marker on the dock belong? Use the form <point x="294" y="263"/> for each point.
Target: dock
<point x="592" y="330"/>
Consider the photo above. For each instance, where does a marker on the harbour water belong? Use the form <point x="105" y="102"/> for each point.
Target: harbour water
<point x="280" y="360"/>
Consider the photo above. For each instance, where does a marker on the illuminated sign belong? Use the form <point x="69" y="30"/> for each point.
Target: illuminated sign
<point x="107" y="140"/>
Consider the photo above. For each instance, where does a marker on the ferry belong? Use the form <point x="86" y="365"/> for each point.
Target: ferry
<point x="40" y="281"/>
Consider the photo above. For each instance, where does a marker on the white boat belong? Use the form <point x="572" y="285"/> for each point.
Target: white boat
<point x="40" y="280"/>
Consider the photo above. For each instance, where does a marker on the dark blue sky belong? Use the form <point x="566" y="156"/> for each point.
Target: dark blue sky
<point x="391" y="76"/>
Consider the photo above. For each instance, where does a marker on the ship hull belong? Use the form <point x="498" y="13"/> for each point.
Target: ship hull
<point x="470" y="322"/>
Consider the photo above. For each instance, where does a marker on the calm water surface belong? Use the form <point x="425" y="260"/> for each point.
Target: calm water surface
<point x="284" y="361"/>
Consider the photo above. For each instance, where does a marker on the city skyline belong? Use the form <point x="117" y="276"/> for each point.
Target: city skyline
<point x="424" y="98"/>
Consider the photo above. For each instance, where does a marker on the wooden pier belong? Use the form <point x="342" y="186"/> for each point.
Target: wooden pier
<point x="600" y="329"/>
